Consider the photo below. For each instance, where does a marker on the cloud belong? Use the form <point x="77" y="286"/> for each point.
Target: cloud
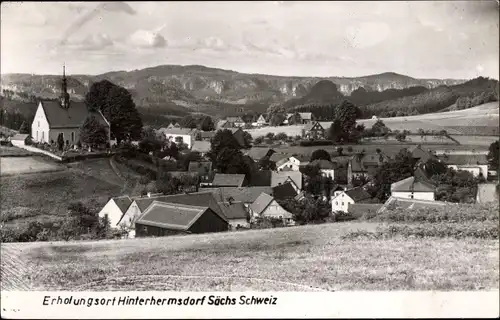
<point x="367" y="34"/>
<point x="91" y="42"/>
<point x="120" y="7"/>
<point x="147" y="39"/>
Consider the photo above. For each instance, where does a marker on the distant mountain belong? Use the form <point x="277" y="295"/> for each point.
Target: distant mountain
<point x="193" y="83"/>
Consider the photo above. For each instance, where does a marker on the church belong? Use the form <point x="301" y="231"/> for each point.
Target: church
<point x="63" y="116"/>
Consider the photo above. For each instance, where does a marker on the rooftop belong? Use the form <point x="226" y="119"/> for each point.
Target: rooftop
<point x="170" y="215"/>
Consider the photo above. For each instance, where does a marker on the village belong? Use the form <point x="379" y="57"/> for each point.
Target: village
<point x="274" y="188"/>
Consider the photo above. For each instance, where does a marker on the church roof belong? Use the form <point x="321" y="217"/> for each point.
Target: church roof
<point x="73" y="117"/>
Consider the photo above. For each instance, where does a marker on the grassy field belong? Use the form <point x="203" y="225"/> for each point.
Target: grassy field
<point x="303" y="258"/>
<point x="6" y="151"/>
<point x="21" y="165"/>
<point x="40" y="196"/>
<point x="483" y="119"/>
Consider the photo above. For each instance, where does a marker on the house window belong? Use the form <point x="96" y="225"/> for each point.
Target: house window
<point x="38" y="124"/>
<point x="43" y="135"/>
<point x="336" y="202"/>
<point x="145" y="229"/>
<point x="72" y="136"/>
<point x="342" y="203"/>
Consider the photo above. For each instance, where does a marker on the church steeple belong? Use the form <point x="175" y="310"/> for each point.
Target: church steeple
<point x="64" y="90"/>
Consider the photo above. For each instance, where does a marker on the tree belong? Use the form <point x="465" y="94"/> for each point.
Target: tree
<point x="401" y="136"/>
<point x="493" y="155"/>
<point x="434" y="167"/>
<point x="270" y="136"/>
<point x="258" y="140"/>
<point x="320" y="154"/>
<point x="60" y="141"/>
<point x="222" y="139"/>
<point x="281" y="136"/>
<point x="276" y="119"/>
<point x="118" y="107"/>
<point x="206" y="124"/>
<point x="24" y="128"/>
<point x="92" y="132"/>
<point x="150" y="141"/>
<point x="247" y="139"/>
<point x="379" y="129"/>
<point x="188" y="122"/>
<point x="335" y="132"/>
<point x="307" y="210"/>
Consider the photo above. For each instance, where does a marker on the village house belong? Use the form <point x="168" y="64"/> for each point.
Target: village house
<point x="115" y="208"/>
<point x="246" y="195"/>
<point x="365" y="165"/>
<point x="306" y="117"/>
<point x="180" y="135"/>
<point x="202" y="147"/>
<point x="139" y="204"/>
<point x="261" y="121"/>
<point x="207" y="135"/>
<point x="257" y="154"/>
<point x="235" y="122"/>
<point x="282" y="177"/>
<point x="173" y="125"/>
<point x="314" y="130"/>
<point x="343" y="199"/>
<point x="223" y="124"/>
<point x="19" y="139"/>
<point x="203" y="169"/>
<point x="327" y="168"/>
<point x="229" y="180"/>
<point x="477" y="164"/>
<point x="238" y="135"/>
<point x="265" y="206"/>
<point x="63" y="117"/>
<point x="285" y="191"/>
<point x="163" y="218"/>
<point x="288" y="164"/>
<point x="236" y="214"/>
<point x="412" y="188"/>
<point x="421" y="155"/>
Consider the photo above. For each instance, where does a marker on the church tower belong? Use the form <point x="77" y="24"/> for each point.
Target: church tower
<point x="64" y="90"/>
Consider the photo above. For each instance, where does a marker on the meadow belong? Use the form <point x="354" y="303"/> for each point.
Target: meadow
<point x="7" y="151"/>
<point x="20" y="165"/>
<point x="381" y="253"/>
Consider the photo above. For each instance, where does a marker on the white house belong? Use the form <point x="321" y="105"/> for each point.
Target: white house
<point x="180" y="135"/>
<point x="266" y="206"/>
<point x="63" y="117"/>
<point x="288" y="164"/>
<point x="115" y="208"/>
<point x="477" y="164"/>
<point x="261" y="121"/>
<point x="342" y="199"/>
<point x="411" y="188"/>
<point x="327" y="168"/>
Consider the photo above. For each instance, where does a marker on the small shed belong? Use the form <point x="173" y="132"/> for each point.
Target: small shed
<point x="19" y="140"/>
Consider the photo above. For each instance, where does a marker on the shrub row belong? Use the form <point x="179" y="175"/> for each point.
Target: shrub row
<point x="487" y="231"/>
<point x="308" y="143"/>
<point x="451" y="213"/>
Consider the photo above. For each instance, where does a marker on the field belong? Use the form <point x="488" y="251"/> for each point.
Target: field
<point x="6" y="151"/>
<point x="303" y="258"/>
<point x="480" y="120"/>
<point x="46" y="196"/>
<point x="21" y="165"/>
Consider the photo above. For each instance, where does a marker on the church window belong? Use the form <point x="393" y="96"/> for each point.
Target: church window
<point x="72" y="136"/>
<point x="38" y="124"/>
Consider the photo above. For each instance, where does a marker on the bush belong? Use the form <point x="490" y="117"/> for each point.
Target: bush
<point x="308" y="143"/>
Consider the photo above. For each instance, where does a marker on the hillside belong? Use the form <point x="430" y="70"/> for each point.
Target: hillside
<point x="171" y="82"/>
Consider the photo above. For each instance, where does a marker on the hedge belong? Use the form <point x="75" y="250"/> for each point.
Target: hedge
<point x="308" y="143"/>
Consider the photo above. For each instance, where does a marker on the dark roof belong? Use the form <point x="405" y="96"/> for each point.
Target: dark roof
<point x="170" y="215"/>
<point x="358" y="194"/>
<point x="465" y="159"/>
<point x="201" y="146"/>
<point x="207" y="134"/>
<point x="284" y="191"/>
<point x="72" y="117"/>
<point x="276" y="157"/>
<point x="261" y="178"/>
<point x="257" y="153"/>
<point x="421" y="154"/>
<point x="310" y="126"/>
<point x="282" y="177"/>
<point x="410" y="204"/>
<point x="123" y="203"/>
<point x="245" y="194"/>
<point x="228" y="180"/>
<point x="411" y="184"/>
<point x="200" y="167"/>
<point x="202" y="199"/>
<point x="234" y="210"/>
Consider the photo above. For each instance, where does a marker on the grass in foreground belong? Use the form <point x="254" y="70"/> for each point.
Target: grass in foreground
<point x="297" y="259"/>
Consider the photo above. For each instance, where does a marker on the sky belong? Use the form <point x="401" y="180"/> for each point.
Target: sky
<point x="428" y="39"/>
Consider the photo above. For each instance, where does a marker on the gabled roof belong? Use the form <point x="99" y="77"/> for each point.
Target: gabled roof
<point x="282" y="177"/>
<point x="170" y="215"/>
<point x="261" y="203"/>
<point x="423" y="155"/>
<point x="122" y="203"/>
<point x="72" y="117"/>
<point x="464" y="159"/>
<point x="200" y="167"/>
<point x="222" y="124"/>
<point x="177" y="131"/>
<point x="282" y="161"/>
<point x="411" y="184"/>
<point x="234" y="210"/>
<point x="276" y="157"/>
<point x="201" y="146"/>
<point x="201" y="199"/>
<point x="312" y="125"/>
<point x="358" y="194"/>
<point x="228" y="180"/>
<point x="244" y="194"/>
<point x="324" y="164"/>
<point x="257" y="153"/>
<point x="284" y="191"/>
<point x="410" y="204"/>
<point x="234" y="119"/>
